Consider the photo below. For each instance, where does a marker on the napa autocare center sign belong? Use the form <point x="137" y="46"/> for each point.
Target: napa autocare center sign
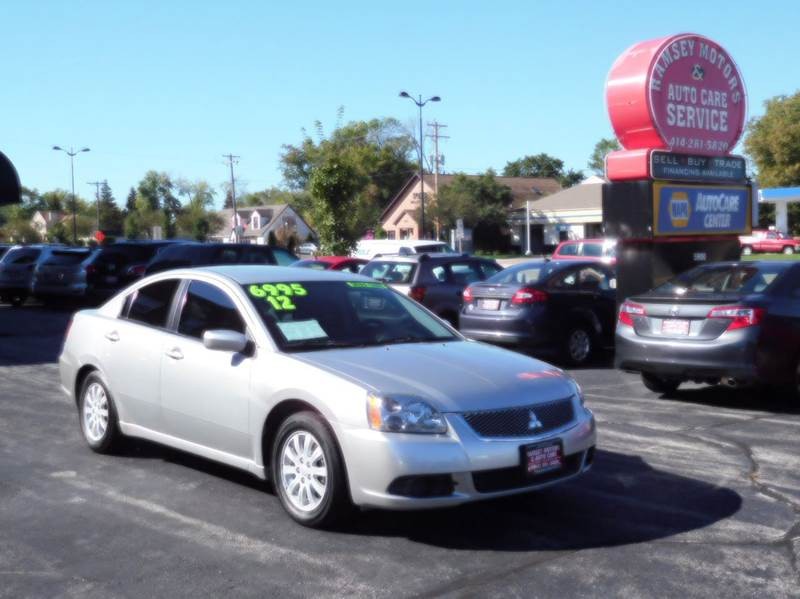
<point x="700" y="209"/>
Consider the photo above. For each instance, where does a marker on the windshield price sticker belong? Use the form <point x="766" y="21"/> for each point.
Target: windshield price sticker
<point x="279" y="295"/>
<point x="365" y="285"/>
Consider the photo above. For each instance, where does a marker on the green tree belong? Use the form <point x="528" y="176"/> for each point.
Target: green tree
<point x="380" y="153"/>
<point x="335" y="185"/>
<point x="773" y="144"/>
<point x="597" y="161"/>
<point x="542" y="165"/>
<point x="482" y="202"/>
<point x="130" y="202"/>
<point x="111" y="217"/>
<point x="197" y="218"/>
<point x="155" y="205"/>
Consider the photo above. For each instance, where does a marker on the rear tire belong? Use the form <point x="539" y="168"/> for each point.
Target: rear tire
<point x="747" y="250"/>
<point x="578" y="345"/>
<point x="308" y="472"/>
<point x="17" y="299"/>
<point x="657" y="384"/>
<point x="788" y="250"/>
<point x="98" y="415"/>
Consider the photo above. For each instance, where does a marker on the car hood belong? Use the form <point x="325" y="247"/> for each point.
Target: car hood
<point x="453" y="376"/>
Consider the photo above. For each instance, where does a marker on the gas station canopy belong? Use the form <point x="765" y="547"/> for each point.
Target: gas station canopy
<point x="781" y="197"/>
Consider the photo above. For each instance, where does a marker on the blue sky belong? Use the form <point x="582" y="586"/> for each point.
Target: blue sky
<point x="173" y="85"/>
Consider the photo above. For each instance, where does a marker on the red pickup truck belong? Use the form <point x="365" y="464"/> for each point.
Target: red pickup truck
<point x="772" y="242"/>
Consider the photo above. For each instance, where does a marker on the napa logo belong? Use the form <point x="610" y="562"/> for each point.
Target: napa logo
<point x="679" y="209"/>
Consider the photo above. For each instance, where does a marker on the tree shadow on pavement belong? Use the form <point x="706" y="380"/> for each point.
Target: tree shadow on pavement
<point x="621" y="501"/>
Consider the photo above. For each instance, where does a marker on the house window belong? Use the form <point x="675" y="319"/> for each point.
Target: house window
<point x="406" y="233"/>
<point x="389" y="234"/>
<point x="255" y="221"/>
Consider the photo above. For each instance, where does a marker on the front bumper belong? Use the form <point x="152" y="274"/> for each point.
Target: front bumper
<point x="375" y="460"/>
<point x="732" y="354"/>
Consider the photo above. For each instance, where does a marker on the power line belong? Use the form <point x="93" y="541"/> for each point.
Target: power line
<point x="97" y="185"/>
<point x="232" y="159"/>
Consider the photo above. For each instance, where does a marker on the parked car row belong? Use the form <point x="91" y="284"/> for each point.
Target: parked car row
<point x="51" y="271"/>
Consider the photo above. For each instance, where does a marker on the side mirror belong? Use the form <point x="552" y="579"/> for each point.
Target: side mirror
<point x="225" y="340"/>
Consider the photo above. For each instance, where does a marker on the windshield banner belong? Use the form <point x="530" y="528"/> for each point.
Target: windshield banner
<point x="700" y="209"/>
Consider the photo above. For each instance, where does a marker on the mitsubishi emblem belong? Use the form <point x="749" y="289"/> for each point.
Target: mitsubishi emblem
<point x="534" y="423"/>
<point x="674" y="311"/>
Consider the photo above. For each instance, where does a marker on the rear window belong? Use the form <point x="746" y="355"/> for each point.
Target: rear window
<point x="67" y="257"/>
<point x="390" y="272"/>
<point x="434" y="248"/>
<point x="283" y="257"/>
<point x="21" y="256"/>
<point x="568" y="249"/>
<point x="522" y="274"/>
<point x="723" y="279"/>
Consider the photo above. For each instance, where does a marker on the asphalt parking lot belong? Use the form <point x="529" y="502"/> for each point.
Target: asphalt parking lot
<point x="694" y="496"/>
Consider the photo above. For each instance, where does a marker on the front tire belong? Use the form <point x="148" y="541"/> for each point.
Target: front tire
<point x="747" y="250"/>
<point x="788" y="250"/>
<point x="578" y="345"/>
<point x="308" y="471"/>
<point x="98" y="415"/>
<point x="657" y="384"/>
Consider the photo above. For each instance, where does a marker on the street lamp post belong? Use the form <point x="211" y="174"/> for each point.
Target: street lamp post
<point x="420" y="104"/>
<point x="72" y="153"/>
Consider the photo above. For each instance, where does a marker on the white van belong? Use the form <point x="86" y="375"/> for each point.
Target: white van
<point x="369" y="248"/>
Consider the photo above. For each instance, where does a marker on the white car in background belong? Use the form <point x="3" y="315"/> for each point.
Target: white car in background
<point x="340" y="390"/>
<point x="370" y="248"/>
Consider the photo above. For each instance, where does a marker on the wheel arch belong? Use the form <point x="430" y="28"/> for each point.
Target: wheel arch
<point x="280" y="412"/>
<point x="80" y="377"/>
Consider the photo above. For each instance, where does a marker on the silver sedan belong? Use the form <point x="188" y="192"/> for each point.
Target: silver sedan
<point x="341" y="391"/>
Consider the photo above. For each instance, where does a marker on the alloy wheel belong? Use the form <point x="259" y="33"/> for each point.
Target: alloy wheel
<point x="579" y="345"/>
<point x="303" y="471"/>
<point x="95" y="412"/>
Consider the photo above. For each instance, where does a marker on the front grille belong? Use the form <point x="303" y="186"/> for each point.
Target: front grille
<point x="505" y="479"/>
<point x="516" y="422"/>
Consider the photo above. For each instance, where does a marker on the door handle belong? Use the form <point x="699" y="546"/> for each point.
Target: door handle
<point x="175" y="353"/>
<point x="112" y="336"/>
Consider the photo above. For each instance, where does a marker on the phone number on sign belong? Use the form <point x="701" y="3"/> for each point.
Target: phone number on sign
<point x="694" y="143"/>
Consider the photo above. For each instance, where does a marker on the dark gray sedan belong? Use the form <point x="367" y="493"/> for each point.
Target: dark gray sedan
<point x="564" y="306"/>
<point x="721" y="321"/>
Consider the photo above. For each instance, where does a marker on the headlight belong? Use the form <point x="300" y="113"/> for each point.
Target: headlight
<point x="576" y="389"/>
<point x="412" y="416"/>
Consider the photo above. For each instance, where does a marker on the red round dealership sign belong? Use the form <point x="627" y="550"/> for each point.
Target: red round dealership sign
<point x="682" y="93"/>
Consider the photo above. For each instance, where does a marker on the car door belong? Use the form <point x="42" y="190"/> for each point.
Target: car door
<point x="131" y="352"/>
<point x="597" y="288"/>
<point x="205" y="393"/>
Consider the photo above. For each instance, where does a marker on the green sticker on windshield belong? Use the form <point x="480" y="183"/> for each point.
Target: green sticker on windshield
<point x="279" y="295"/>
<point x="365" y="285"/>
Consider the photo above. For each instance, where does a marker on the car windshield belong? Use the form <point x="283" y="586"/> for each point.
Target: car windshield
<point x="738" y="279"/>
<point x="306" y="316"/>
<point x="523" y="274"/>
<point x="390" y="272"/>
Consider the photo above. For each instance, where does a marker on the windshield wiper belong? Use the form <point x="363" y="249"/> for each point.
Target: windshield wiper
<point x="410" y="339"/>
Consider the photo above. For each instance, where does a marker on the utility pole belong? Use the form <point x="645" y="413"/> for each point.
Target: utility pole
<point x="97" y="185"/>
<point x="436" y="136"/>
<point x="232" y="159"/>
